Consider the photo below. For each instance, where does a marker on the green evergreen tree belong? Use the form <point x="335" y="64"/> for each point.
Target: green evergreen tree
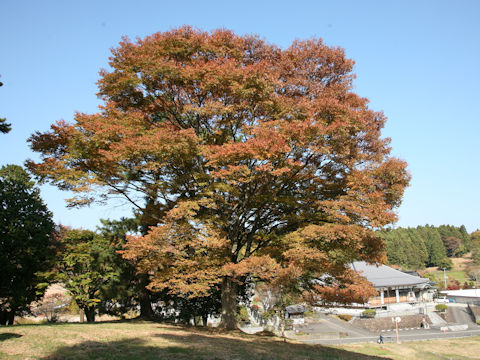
<point x="4" y="127"/>
<point x="465" y="238"/>
<point x="394" y="247"/>
<point x="121" y="296"/>
<point x="421" y="253"/>
<point x="26" y="240"/>
<point x="475" y="247"/>
<point x="434" y="245"/>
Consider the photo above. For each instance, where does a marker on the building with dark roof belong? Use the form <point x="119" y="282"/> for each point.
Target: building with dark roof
<point x="394" y="286"/>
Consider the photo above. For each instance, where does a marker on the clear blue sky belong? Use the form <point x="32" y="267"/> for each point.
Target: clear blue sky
<point x="418" y="61"/>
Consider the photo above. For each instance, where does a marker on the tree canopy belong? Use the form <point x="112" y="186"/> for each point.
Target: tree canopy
<point x="242" y="160"/>
<point x="26" y="233"/>
<point x="85" y="264"/>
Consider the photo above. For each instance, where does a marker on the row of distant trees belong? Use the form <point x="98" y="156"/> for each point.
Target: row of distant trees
<point x="423" y="246"/>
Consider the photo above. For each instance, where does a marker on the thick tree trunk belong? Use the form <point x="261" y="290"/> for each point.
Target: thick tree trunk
<point x="3" y="317"/>
<point x="229" y="304"/>
<point x="11" y="317"/>
<point x="146" y="310"/>
<point x="7" y="317"/>
<point x="144" y="299"/>
<point x="90" y="314"/>
<point x="204" y="319"/>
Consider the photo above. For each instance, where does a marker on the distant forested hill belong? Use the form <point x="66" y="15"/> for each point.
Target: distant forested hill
<point x="416" y="248"/>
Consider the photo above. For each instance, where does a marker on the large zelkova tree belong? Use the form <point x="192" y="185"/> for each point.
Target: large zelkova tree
<point x="241" y="159"/>
<point x="26" y="242"/>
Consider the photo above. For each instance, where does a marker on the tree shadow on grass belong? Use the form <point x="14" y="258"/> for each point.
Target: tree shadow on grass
<point x="201" y="346"/>
<point x="6" y="336"/>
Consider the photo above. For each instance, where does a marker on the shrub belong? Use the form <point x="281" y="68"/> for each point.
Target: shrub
<point x="242" y="314"/>
<point x="453" y="284"/>
<point x="345" y="317"/>
<point x="369" y="313"/>
<point x="268" y="314"/>
<point x="441" y="307"/>
<point x="51" y="305"/>
<point x="288" y="324"/>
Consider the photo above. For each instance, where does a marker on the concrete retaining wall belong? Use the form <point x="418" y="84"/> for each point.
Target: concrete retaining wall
<point x="377" y="324"/>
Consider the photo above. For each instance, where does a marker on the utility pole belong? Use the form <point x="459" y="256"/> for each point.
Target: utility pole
<point x="396" y="320"/>
<point x="445" y="278"/>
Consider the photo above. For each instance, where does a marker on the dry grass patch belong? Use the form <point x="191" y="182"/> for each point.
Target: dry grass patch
<point x="462" y="263"/>
<point x="148" y="340"/>
<point x="458" y="349"/>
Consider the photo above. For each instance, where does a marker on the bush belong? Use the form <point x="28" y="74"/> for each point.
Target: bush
<point x="268" y="314"/>
<point x="345" y="317"/>
<point x="51" y="305"/>
<point x="453" y="284"/>
<point x="242" y="315"/>
<point x="441" y="307"/>
<point x="288" y="324"/>
<point x="369" y="313"/>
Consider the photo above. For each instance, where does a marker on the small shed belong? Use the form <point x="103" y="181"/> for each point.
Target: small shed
<point x="296" y="313"/>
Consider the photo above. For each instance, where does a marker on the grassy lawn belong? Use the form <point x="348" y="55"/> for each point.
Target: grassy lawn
<point x="447" y="349"/>
<point x="148" y="340"/>
<point x="458" y="275"/>
<point x="458" y="272"/>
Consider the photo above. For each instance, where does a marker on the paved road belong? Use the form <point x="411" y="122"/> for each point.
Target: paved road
<point x="413" y="335"/>
<point x="330" y="330"/>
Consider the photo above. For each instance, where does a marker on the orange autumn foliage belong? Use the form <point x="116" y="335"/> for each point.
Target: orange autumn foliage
<point x="240" y="158"/>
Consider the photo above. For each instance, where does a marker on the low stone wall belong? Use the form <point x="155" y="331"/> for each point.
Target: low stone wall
<point x="447" y="315"/>
<point x="377" y="324"/>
